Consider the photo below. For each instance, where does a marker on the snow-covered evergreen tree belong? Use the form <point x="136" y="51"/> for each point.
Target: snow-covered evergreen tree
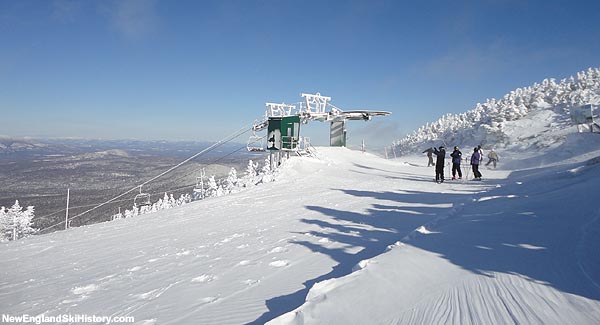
<point x="198" y="194"/>
<point x="265" y="172"/>
<point x="5" y="228"/>
<point x="128" y="213"/>
<point x="231" y="182"/>
<point x="213" y="189"/>
<point x="184" y="199"/>
<point x="145" y="209"/>
<point x="25" y="223"/>
<point x="172" y="201"/>
<point x="13" y="214"/>
<point x="165" y="202"/>
<point x="16" y="223"/>
<point x="250" y="178"/>
<point x="156" y="206"/>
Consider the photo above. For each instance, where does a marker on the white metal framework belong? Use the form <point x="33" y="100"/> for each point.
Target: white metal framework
<point x="279" y="110"/>
<point x="315" y="104"/>
<point x="314" y="108"/>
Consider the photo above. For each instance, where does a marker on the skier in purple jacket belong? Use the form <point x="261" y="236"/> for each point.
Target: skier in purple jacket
<point x="475" y="160"/>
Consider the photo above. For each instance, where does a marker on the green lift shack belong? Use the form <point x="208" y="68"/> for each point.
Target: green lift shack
<point x="283" y="133"/>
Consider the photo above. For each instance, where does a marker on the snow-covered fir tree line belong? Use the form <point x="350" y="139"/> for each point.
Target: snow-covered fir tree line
<point x="485" y="122"/>
<point x="254" y="175"/>
<point x="16" y="223"/>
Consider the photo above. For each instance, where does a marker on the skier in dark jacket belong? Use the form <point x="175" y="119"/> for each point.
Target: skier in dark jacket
<point x="456" y="158"/>
<point x="429" y="152"/>
<point x="439" y="164"/>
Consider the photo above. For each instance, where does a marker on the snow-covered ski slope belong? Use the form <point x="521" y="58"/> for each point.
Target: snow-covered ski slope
<point x="522" y="248"/>
<point x="345" y="238"/>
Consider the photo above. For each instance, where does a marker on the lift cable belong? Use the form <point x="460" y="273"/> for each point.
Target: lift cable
<point x="153" y="193"/>
<point x="215" y="145"/>
<point x="208" y="164"/>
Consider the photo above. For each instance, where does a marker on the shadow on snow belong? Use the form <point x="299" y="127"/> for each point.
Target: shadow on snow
<point x="362" y="236"/>
<point x="527" y="229"/>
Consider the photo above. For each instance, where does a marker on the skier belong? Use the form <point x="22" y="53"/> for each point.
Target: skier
<point x="493" y="156"/>
<point x="429" y="152"/>
<point x="456" y="158"/>
<point x="439" y="164"/>
<point x="480" y="154"/>
<point x="475" y="160"/>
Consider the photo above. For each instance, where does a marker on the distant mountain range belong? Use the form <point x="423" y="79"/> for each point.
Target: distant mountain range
<point x="37" y="171"/>
<point x="68" y="146"/>
<point x="9" y="144"/>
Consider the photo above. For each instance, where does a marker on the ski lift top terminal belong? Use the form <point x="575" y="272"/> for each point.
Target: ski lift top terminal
<point x="283" y="121"/>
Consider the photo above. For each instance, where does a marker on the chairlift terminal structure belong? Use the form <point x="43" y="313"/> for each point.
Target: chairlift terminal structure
<point x="283" y="121"/>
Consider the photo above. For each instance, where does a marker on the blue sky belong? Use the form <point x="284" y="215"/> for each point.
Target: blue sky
<point x="199" y="70"/>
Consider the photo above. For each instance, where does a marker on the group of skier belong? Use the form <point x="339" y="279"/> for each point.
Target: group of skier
<point x="456" y="155"/>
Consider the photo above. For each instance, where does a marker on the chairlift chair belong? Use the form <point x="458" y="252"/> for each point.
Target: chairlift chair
<point x="141" y="199"/>
<point x="255" y="143"/>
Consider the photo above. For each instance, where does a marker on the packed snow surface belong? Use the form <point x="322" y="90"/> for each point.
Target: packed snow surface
<point x="341" y="238"/>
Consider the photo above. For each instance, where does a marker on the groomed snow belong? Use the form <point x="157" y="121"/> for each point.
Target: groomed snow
<point x="345" y="238"/>
<point x="523" y="251"/>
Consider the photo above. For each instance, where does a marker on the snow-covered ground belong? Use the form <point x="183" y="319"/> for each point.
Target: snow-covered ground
<point x="345" y="238"/>
<point x="522" y="248"/>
